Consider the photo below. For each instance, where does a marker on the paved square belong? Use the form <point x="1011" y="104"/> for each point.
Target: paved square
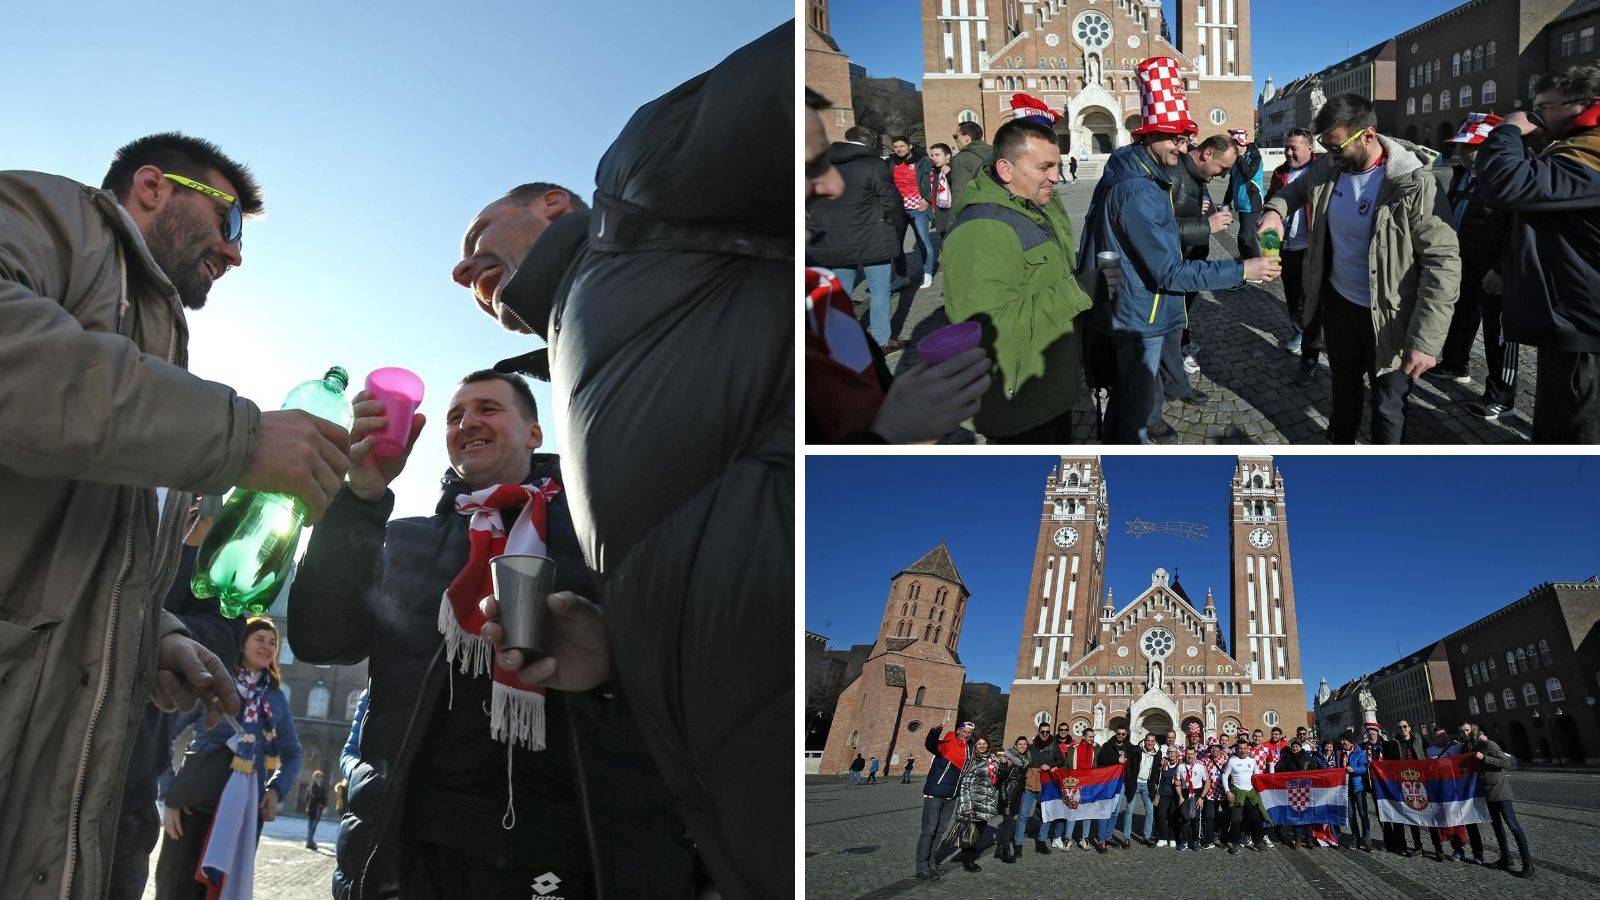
<point x="1244" y="365"/>
<point x="860" y="842"/>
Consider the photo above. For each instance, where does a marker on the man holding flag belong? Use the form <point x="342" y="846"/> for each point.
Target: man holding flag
<point x="1297" y="798"/>
<point x="1453" y="790"/>
<point x="1081" y="795"/>
<point x="1497" y="794"/>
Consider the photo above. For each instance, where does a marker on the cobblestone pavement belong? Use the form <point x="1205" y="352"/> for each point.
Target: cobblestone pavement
<point x="285" y="869"/>
<point x="860" y="842"/>
<point x="1244" y="367"/>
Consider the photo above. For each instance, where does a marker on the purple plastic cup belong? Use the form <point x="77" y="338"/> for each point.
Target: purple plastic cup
<point x="948" y="341"/>
<point x="400" y="392"/>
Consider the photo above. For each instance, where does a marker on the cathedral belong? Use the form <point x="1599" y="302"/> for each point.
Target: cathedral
<point x="1160" y="663"/>
<point x="1079" y="57"/>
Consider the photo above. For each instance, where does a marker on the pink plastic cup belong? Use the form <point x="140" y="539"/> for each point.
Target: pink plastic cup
<point x="948" y="341"/>
<point x="400" y="392"/>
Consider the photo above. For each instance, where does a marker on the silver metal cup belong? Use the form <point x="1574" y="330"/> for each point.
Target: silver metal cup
<point x="522" y="586"/>
<point x="1107" y="259"/>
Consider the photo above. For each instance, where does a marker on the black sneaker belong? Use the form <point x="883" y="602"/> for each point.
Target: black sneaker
<point x="1308" y="372"/>
<point x="1459" y="376"/>
<point x="1492" y="412"/>
<point x="1233" y="849"/>
<point x="1160" y="430"/>
<point x="1195" y="397"/>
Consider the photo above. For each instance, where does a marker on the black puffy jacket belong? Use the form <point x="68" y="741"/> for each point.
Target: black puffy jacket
<point x="1189" y="193"/>
<point x="370" y="589"/>
<point x="1482" y="231"/>
<point x="670" y="316"/>
<point x="858" y="227"/>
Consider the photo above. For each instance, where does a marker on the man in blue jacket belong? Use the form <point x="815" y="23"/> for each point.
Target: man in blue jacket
<point x="1131" y="214"/>
<point x="939" y="793"/>
<point x="1552" y="292"/>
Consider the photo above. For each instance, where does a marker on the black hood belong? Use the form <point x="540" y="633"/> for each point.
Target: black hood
<point x="545" y="465"/>
<point x="845" y="151"/>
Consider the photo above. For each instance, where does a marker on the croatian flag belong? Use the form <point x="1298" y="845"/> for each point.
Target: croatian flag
<point x="1437" y="793"/>
<point x="1314" y="797"/>
<point x="1079" y="794"/>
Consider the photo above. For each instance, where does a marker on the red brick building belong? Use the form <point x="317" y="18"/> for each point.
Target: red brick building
<point x="912" y="679"/>
<point x="828" y="70"/>
<point x="1160" y="663"/>
<point x="1079" y="56"/>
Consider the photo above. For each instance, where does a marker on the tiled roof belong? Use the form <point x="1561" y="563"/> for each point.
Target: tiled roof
<point x="938" y="563"/>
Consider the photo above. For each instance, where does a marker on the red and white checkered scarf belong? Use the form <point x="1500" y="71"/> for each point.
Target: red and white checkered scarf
<point x="516" y="711"/>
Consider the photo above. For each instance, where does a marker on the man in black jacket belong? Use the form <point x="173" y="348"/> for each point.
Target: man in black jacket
<point x="1118" y="751"/>
<point x="1482" y="230"/>
<point x="442" y="804"/>
<point x="1043" y="756"/>
<point x="670" y="319"/>
<point x="1197" y="222"/>
<point x="138" y="825"/>
<point x="1552" y="257"/>
<point x="857" y="231"/>
<point x="1295" y="759"/>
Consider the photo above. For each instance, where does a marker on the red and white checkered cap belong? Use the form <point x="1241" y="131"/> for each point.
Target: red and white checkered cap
<point x="1476" y="128"/>
<point x="1024" y="106"/>
<point x="1240" y="136"/>
<point x="1162" y="104"/>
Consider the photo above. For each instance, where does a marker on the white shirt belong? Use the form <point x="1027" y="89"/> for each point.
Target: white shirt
<point x="1146" y="761"/>
<point x="1194" y="776"/>
<point x="1238" y="772"/>
<point x="1297" y="236"/>
<point x="1351" y="211"/>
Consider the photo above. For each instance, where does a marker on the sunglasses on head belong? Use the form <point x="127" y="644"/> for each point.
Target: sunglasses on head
<point x="233" y="229"/>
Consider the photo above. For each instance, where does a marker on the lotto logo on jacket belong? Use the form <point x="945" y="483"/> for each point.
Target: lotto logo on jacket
<point x="1078" y="794"/>
<point x="1433" y="792"/>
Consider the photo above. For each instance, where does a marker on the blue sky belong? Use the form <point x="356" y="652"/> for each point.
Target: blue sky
<point x="1287" y="39"/>
<point x="1389" y="552"/>
<point x="377" y="131"/>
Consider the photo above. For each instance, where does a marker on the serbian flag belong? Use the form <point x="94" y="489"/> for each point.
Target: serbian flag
<point x="1313" y="797"/>
<point x="1437" y="793"/>
<point x="1079" y="794"/>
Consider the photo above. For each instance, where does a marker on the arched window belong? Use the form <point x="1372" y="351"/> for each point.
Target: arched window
<point x="1427" y="103"/>
<point x="920" y="691"/>
<point x="1477" y="58"/>
<point x="1489" y="55"/>
<point x="1533" y="656"/>
<point x="1411" y="77"/>
<point x="1552" y="689"/>
<point x="1511" y="662"/>
<point x="1444" y="99"/>
<point x="1472" y="704"/>
<point x="1491" y="92"/>
<point x="1438" y="70"/>
<point x="1544" y="652"/>
<point x="1072" y="479"/>
<point x="1488" y="702"/>
<point x="851" y="740"/>
<point x="1522" y="659"/>
<point x="1529" y="695"/>
<point x="317" y="702"/>
<point x="926" y="630"/>
<point x="1455" y="65"/>
<point x="1041" y="718"/>
<point x="1411" y="107"/>
<point x="936" y="630"/>
<point x="902" y="609"/>
<point x="1466" y="96"/>
<point x="967" y="115"/>
<point x="1532" y="81"/>
<point x="1508" y="698"/>
<point x="350" y="704"/>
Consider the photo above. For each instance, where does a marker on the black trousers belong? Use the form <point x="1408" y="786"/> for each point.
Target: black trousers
<point x="1566" y="402"/>
<point x="1168" y="826"/>
<point x="1243" y="819"/>
<point x="1352" y="358"/>
<point x="1214" y="821"/>
<point x="137" y="833"/>
<point x="1475" y="306"/>
<point x="179" y="858"/>
<point x="1249" y="247"/>
<point x="313" y="817"/>
<point x="1055" y="431"/>
<point x="1294" y="293"/>
<point x="1503" y="816"/>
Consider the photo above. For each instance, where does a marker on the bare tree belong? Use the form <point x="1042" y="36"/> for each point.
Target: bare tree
<point x="888" y="111"/>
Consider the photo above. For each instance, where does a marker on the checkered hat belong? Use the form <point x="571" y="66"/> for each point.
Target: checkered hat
<point x="1024" y="106"/>
<point x="1240" y="136"/>
<point x="1476" y="128"/>
<point x="1162" y="104"/>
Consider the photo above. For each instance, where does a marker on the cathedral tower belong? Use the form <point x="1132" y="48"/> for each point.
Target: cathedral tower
<point x="1265" y="639"/>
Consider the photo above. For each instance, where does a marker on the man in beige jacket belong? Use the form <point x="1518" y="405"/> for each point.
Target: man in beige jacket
<point x="1383" y="266"/>
<point x="103" y="435"/>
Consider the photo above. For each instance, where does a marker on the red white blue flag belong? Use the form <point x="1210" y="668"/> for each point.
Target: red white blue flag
<point x="1314" y="797"/>
<point x="1438" y="793"/>
<point x="1079" y="794"/>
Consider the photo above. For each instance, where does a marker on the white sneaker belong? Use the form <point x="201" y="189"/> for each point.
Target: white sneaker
<point x="927" y="281"/>
<point x="1190" y="365"/>
<point x="1268" y="842"/>
<point x="1057" y="845"/>
<point x="1083" y="844"/>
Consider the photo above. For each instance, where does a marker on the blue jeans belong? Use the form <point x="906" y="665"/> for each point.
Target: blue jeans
<point x="1135" y="402"/>
<point x="920" y="222"/>
<point x="880" y="297"/>
<point x="1025" y="807"/>
<point x="1058" y="828"/>
<point x="1108" y="825"/>
<point x="855" y="777"/>
<point x="1143" y="800"/>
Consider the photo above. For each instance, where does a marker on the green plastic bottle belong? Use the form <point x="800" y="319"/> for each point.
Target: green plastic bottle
<point x="1270" y="243"/>
<point x="249" y="551"/>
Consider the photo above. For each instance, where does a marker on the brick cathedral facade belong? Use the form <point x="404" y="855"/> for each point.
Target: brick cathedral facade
<point x="1160" y="663"/>
<point x="1079" y="56"/>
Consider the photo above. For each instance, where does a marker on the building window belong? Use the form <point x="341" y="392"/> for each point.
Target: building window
<point x="920" y="692"/>
<point x="1472" y="704"/>
<point x="1585" y="40"/>
<point x="1438" y="70"/>
<point x="1544" y="652"/>
<point x="1219" y="116"/>
<point x="1477" y="58"/>
<point x="1552" y="689"/>
<point x="1427" y="74"/>
<point x="1444" y="99"/>
<point x="1427" y="103"/>
<point x="317" y="702"/>
<point x="949" y="64"/>
<point x="1469" y="668"/>
<point x="350" y="704"/>
<point x="1529" y="695"/>
<point x="1489" y="55"/>
<point x="1532" y="80"/>
<point x="1466" y="96"/>
<point x="1492" y="675"/>
<point x="1455" y="65"/>
<point x="967" y="115"/>
<point x="285" y="655"/>
<point x="851" y="740"/>
<point x="1488" y="699"/>
<point x="1511" y="662"/>
<point x="1569" y="44"/>
<point x="1508" y="698"/>
<point x="1522" y="659"/>
<point x="1490" y="94"/>
<point x="913" y="727"/>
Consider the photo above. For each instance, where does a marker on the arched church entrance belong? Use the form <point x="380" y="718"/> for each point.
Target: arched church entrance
<point x="1156" y="722"/>
<point x="1102" y="130"/>
<point x="1064" y="136"/>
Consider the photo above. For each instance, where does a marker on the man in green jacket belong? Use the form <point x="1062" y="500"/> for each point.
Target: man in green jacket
<point x="1008" y="264"/>
<point x="972" y="154"/>
<point x="1383" y="265"/>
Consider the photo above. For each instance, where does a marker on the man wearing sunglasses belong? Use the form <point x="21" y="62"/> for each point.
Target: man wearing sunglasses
<point x="104" y="437"/>
<point x="1552" y="257"/>
<point x="1382" y="265"/>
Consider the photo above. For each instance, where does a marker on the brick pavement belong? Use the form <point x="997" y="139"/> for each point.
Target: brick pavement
<point x="860" y="841"/>
<point x="1245" y="367"/>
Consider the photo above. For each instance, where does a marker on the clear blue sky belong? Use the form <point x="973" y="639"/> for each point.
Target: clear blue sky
<point x="1389" y="552"/>
<point x="1287" y="39"/>
<point x="377" y="131"/>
